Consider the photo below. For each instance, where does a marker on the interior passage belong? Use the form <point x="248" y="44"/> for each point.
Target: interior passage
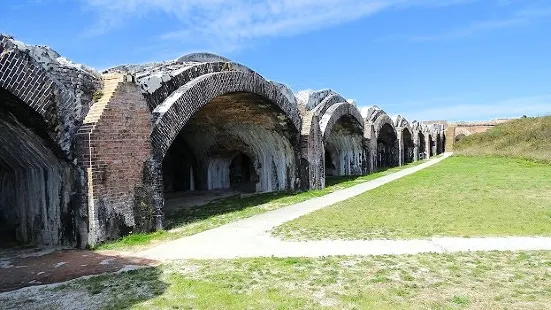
<point x="35" y="183"/>
<point x="344" y="151"/>
<point x="387" y="148"/>
<point x="239" y="142"/>
<point x="409" y="147"/>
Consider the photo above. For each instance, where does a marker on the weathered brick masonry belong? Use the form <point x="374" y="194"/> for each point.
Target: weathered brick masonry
<point x="115" y="152"/>
<point x="94" y="155"/>
<point x="43" y="100"/>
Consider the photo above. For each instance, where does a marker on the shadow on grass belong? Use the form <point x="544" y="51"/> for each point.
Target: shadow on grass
<point x="188" y="215"/>
<point x="189" y="220"/>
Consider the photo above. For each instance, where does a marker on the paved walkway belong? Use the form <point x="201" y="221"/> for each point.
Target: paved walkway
<point x="251" y="237"/>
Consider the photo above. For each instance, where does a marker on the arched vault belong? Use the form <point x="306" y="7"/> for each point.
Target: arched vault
<point x="333" y="131"/>
<point x="174" y="112"/>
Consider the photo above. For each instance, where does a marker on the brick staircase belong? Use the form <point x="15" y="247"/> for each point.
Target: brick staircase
<point x="111" y="81"/>
<point x="307" y="122"/>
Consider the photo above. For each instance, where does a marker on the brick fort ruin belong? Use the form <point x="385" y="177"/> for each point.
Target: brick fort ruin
<point x="87" y="157"/>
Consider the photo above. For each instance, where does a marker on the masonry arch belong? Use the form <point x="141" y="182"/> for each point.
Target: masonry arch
<point x="225" y="125"/>
<point x="40" y="101"/>
<point x="342" y="130"/>
<point x="387" y="151"/>
<point x="431" y="145"/>
<point x="408" y="145"/>
<point x="62" y="100"/>
<point x="385" y="144"/>
<point x="36" y="183"/>
<point x="405" y="135"/>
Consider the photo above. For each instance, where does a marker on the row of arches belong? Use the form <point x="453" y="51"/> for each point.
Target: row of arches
<point x="215" y="126"/>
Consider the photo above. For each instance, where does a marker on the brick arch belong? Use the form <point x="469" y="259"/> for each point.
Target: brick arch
<point x="330" y="100"/>
<point x="159" y="86"/>
<point x="316" y="104"/>
<point x="27" y="81"/>
<point x="336" y="112"/>
<point x="402" y="122"/>
<point x="57" y="92"/>
<point x="38" y="186"/>
<point x="416" y="128"/>
<point x="173" y="114"/>
<point x="378" y="118"/>
<point x="312" y="99"/>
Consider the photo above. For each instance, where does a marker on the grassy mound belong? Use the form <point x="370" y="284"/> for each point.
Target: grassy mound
<point x="528" y="138"/>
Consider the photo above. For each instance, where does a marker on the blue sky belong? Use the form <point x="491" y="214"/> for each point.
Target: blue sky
<point x="424" y="59"/>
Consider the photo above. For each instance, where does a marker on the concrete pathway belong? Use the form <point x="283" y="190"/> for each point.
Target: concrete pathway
<point x="251" y="237"/>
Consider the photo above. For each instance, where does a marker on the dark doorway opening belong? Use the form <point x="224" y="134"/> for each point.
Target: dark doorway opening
<point x="432" y="146"/>
<point x="387" y="150"/>
<point x="179" y="168"/>
<point x="407" y="152"/>
<point x="329" y="164"/>
<point x="242" y="174"/>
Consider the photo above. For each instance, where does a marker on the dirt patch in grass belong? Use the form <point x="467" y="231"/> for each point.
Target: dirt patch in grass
<point x="28" y="267"/>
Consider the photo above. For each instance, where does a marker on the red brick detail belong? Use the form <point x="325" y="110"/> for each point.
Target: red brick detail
<point x="117" y="148"/>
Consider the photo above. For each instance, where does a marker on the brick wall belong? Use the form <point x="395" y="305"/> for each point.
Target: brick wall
<point x="115" y="155"/>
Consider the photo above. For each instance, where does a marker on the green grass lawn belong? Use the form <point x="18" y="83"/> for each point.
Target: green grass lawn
<point x="490" y="280"/>
<point x="460" y="196"/>
<point x="189" y="221"/>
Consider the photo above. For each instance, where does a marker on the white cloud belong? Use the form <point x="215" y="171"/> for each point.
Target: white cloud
<point x="515" y="107"/>
<point x="233" y="23"/>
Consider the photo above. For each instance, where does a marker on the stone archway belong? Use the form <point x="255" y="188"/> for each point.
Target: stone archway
<point x="342" y="131"/>
<point x="386" y="147"/>
<point x="384" y="142"/>
<point x="174" y="113"/>
<point x="230" y="124"/>
<point x="333" y="135"/>
<point x="37" y="185"/>
<point x="239" y="123"/>
<point x="408" y="146"/>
